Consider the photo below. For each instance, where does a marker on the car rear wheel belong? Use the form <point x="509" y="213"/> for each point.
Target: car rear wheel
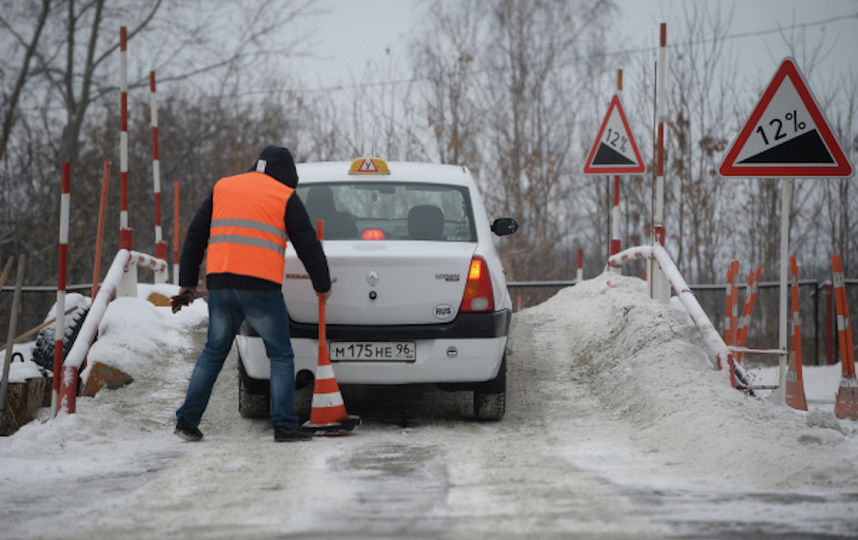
<point x="253" y="395"/>
<point x="490" y="397"/>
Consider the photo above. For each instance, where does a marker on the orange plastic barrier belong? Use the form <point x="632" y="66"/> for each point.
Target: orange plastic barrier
<point x="794" y="382"/>
<point x="846" y="405"/>
<point x="745" y="319"/>
<point x="731" y="321"/>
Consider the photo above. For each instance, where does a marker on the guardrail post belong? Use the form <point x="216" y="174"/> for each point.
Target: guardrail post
<point x="128" y="283"/>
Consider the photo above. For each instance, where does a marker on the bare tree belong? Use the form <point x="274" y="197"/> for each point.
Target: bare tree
<point x="698" y="96"/>
<point x="447" y="64"/>
<point x="12" y="94"/>
<point x="60" y="102"/>
<point x="503" y="82"/>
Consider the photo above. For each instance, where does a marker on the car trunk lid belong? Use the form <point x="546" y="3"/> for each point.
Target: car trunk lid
<point x="383" y="282"/>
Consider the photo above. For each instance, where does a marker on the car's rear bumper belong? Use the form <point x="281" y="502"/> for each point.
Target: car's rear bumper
<point x="475" y="360"/>
<point x="457" y="352"/>
<point x="464" y="326"/>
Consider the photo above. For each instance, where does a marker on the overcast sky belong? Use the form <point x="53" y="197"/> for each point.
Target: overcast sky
<point x="355" y="31"/>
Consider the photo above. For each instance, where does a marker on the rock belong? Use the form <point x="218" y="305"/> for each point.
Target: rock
<point x="103" y="375"/>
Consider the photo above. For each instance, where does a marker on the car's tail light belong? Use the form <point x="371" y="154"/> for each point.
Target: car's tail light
<point x="372" y="234"/>
<point x="478" y="289"/>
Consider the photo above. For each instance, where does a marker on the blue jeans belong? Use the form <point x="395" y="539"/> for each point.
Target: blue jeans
<point x="266" y="312"/>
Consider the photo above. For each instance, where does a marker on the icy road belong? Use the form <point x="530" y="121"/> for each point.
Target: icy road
<point x="616" y="427"/>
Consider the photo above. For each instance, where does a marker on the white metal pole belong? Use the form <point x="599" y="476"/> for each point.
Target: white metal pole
<point x="124" y="232"/>
<point x="160" y="245"/>
<point x="615" y="209"/>
<point x="660" y="285"/>
<point x="62" y="264"/>
<point x="779" y="396"/>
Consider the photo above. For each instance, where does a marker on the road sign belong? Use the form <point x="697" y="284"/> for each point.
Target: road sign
<point x="615" y="150"/>
<point x="786" y="135"/>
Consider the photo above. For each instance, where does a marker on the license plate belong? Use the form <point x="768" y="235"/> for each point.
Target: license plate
<point x="373" y="351"/>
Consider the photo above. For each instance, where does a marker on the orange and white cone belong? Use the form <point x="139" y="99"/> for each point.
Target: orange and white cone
<point x="794" y="384"/>
<point x="328" y="415"/>
<point x="846" y="405"/>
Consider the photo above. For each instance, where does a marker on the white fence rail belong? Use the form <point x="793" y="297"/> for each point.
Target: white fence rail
<point x="711" y="336"/>
<point x="121" y="280"/>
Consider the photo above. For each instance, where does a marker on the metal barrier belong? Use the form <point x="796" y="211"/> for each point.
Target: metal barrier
<point x="121" y="280"/>
<point x="711" y="336"/>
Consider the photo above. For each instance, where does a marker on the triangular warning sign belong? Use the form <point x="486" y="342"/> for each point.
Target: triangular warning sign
<point x="786" y="135"/>
<point x="615" y="150"/>
<point x="368" y="166"/>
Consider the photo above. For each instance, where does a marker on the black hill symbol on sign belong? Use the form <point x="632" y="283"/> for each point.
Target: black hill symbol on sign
<point x="606" y="155"/>
<point x="806" y="148"/>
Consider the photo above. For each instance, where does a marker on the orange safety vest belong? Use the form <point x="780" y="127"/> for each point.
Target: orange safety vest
<point x="248" y="233"/>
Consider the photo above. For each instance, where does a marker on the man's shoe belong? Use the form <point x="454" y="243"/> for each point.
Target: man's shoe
<point x="284" y="434"/>
<point x="187" y="431"/>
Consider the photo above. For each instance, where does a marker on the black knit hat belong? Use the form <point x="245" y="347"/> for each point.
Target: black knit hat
<point x="277" y="163"/>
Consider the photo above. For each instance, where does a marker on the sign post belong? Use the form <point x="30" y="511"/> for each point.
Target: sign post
<point x="786" y="137"/>
<point x="615" y="152"/>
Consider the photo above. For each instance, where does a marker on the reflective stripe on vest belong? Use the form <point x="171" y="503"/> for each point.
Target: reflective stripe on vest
<point x="248" y="235"/>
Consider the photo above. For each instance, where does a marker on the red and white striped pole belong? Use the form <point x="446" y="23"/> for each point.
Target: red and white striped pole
<point x="125" y="234"/>
<point x="615" y="211"/>
<point x="579" y="277"/>
<point x="62" y="264"/>
<point x="175" y="232"/>
<point x="828" y="296"/>
<point x="615" y="218"/>
<point x="660" y="287"/>
<point x="160" y="245"/>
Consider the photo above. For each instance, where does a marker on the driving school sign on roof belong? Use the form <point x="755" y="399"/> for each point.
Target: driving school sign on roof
<point x="786" y="135"/>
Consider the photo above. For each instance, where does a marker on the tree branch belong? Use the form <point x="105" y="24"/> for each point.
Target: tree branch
<point x="9" y="114"/>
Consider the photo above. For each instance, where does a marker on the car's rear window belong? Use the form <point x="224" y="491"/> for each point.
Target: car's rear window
<point x="390" y="211"/>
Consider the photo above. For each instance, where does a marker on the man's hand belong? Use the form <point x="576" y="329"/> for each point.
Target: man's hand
<point x="325" y="295"/>
<point x="185" y="297"/>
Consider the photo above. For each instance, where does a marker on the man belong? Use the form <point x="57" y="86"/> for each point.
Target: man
<point x="241" y="228"/>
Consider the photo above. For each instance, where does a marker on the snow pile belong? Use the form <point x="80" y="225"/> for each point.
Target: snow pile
<point x="645" y="362"/>
<point x="133" y="331"/>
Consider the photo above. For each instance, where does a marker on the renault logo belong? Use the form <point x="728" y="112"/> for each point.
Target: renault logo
<point x="372" y="278"/>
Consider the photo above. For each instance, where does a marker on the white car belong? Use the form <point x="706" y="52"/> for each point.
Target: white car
<point x="419" y="292"/>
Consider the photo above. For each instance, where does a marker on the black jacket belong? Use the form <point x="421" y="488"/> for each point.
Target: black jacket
<point x="277" y="163"/>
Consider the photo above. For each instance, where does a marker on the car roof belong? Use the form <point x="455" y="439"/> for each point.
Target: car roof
<point x="400" y="171"/>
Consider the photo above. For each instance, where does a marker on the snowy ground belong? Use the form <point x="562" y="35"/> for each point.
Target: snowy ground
<point x="616" y="427"/>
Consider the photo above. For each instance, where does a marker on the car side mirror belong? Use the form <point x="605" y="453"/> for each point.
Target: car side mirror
<point x="504" y="226"/>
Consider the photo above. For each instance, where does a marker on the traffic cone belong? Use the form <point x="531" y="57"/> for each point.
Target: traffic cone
<point x="328" y="414"/>
<point x="846" y="405"/>
<point x="794" y="384"/>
